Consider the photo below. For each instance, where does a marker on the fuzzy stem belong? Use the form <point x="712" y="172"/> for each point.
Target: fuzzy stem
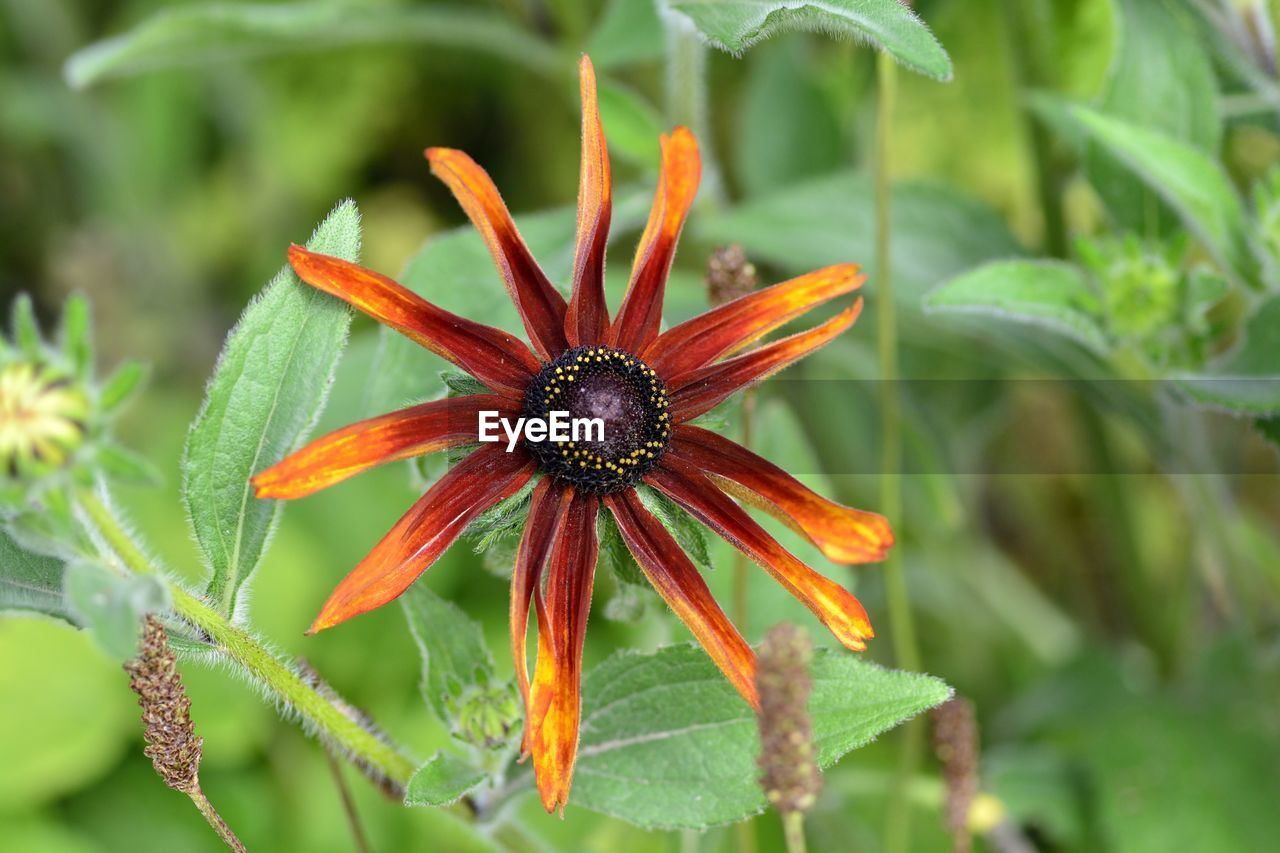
<point x="215" y="820"/>
<point x="793" y="831"/>
<point x="901" y="624"/>
<point x="277" y="675"/>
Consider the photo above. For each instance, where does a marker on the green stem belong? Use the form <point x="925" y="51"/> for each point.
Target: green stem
<point x="901" y="624"/>
<point x="687" y="94"/>
<point x="793" y="831"/>
<point x="279" y="676"/>
<point x="214" y="819"/>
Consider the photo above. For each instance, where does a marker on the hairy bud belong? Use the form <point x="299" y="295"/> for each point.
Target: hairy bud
<point x="730" y="275"/>
<point x="788" y="759"/>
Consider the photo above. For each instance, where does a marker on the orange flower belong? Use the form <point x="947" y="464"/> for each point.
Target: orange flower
<point x="645" y="384"/>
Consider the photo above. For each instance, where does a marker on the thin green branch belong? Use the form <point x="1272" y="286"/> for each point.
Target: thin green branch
<point x="279" y="676"/>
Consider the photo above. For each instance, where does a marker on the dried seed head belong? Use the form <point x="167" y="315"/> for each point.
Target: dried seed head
<point x="730" y="275"/>
<point x="172" y="744"/>
<point x="788" y="760"/>
<point x="955" y="741"/>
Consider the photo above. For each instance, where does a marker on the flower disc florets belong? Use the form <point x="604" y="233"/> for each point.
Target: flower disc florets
<point x="620" y="391"/>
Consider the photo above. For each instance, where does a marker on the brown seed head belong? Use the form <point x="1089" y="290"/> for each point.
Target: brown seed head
<point x="788" y="760"/>
<point x="955" y="741"/>
<point x="172" y="744"/>
<point x="730" y="275"/>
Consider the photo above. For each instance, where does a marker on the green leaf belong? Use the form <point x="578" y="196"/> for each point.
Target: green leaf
<point x="462" y="384"/>
<point x="26" y="331"/>
<point x="688" y="531"/>
<point x="111" y="606"/>
<point x="787" y="130"/>
<point x="122" y="464"/>
<point x="454" y="654"/>
<point x="631" y="123"/>
<point x="1161" y="79"/>
<point x="667" y="742"/>
<point x="938" y="233"/>
<point x="266" y="393"/>
<point x="735" y="25"/>
<point x="1049" y="294"/>
<point x="1247" y="381"/>
<point x="122" y="385"/>
<point x="627" y="32"/>
<point x="31" y="582"/>
<point x="224" y="32"/>
<point x="77" y="344"/>
<point x="1185" y="178"/>
<point x="506" y="518"/>
<point x="614" y="554"/>
<point x="442" y="781"/>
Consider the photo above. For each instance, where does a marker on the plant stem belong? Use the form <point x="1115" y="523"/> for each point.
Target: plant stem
<point x="793" y="831"/>
<point x="687" y="94"/>
<point x="901" y="625"/>
<point x="215" y="820"/>
<point x="280" y="677"/>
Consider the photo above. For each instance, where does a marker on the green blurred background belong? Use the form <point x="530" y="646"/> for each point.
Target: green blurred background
<point x="1127" y="695"/>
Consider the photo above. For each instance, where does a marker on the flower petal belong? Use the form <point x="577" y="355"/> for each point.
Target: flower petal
<point x="588" y="315"/>
<point x="845" y="535"/>
<point x="496" y="358"/>
<point x="700" y="391"/>
<point x="555" y="697"/>
<point x="547" y="510"/>
<point x="479" y="481"/>
<point x="729" y="327"/>
<point x="541" y="306"/>
<point x="830" y="602"/>
<point x="677" y="580"/>
<point x="414" y="431"/>
<point x="640" y="316"/>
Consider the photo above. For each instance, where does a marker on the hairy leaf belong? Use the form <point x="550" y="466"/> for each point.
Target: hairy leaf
<point x="667" y="742"/>
<point x="31" y="582"/>
<point x="1247" y="381"/>
<point x="735" y="25"/>
<point x="454" y="654"/>
<point x="1185" y="178"/>
<point x="111" y="606"/>
<point x="221" y="32"/>
<point x="1049" y="294"/>
<point x="684" y="528"/>
<point x="1162" y="79"/>
<point x="442" y="781"/>
<point x="266" y="393"/>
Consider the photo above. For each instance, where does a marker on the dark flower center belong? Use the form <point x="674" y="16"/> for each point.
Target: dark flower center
<point x="618" y="405"/>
